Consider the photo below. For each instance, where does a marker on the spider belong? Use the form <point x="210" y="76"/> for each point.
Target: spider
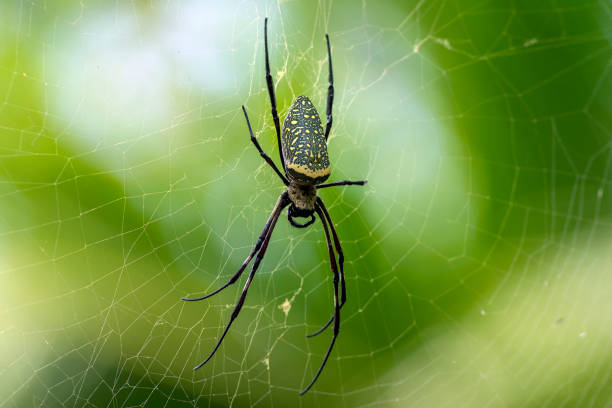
<point x="302" y="147"/>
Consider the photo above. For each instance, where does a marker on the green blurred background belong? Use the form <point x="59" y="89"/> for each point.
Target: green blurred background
<point x="478" y="255"/>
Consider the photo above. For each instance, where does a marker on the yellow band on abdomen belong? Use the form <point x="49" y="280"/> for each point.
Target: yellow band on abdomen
<point x="310" y="173"/>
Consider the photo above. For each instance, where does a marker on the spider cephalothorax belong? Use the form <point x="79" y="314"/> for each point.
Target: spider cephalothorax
<point x="302" y="147"/>
<point x="303" y="201"/>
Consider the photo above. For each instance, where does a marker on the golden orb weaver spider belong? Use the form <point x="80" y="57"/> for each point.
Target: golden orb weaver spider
<point x="302" y="147"/>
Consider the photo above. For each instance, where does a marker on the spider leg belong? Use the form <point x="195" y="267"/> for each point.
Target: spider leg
<point x="281" y="203"/>
<point x="275" y="213"/>
<point x="334" y="268"/>
<point x="343" y="183"/>
<point x="296" y="225"/>
<point x="260" y="150"/>
<point x="322" y="329"/>
<point x="330" y="91"/>
<point x="273" y="96"/>
<point x="340" y="262"/>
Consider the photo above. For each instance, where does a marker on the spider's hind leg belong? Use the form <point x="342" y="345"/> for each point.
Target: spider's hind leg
<point x="270" y="84"/>
<point x="330" y="91"/>
<point x="260" y="150"/>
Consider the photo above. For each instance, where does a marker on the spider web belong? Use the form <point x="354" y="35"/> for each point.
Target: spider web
<point x="478" y="255"/>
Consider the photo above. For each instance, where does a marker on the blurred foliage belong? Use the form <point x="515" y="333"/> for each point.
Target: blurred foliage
<point x="477" y="255"/>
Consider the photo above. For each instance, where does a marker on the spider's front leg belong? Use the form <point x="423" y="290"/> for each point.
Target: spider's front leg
<point x="275" y="213"/>
<point x="282" y="202"/>
<point x="336" y="244"/>
<point x="340" y="262"/>
<point x="336" y="319"/>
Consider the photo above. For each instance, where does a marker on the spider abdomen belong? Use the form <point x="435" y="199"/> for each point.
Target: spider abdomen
<point x="304" y="145"/>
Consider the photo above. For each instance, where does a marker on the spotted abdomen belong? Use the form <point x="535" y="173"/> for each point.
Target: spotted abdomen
<point x="304" y="144"/>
